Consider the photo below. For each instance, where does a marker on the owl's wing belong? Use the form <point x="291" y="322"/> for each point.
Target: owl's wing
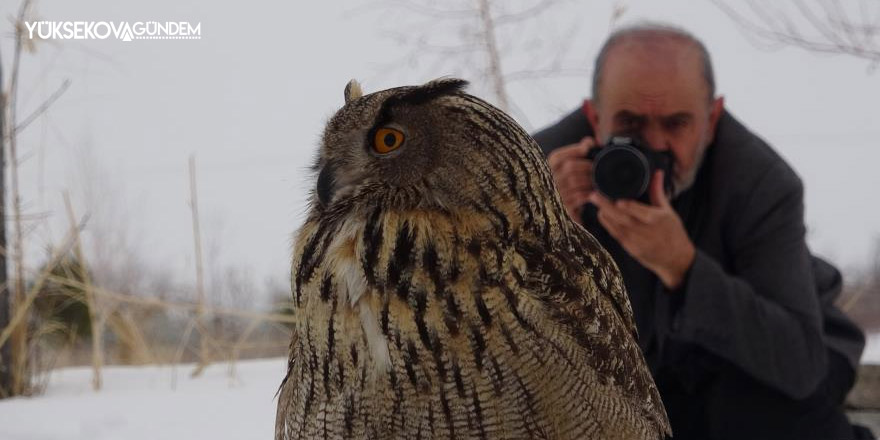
<point x="596" y="260"/>
<point x="283" y="393"/>
<point x="584" y="292"/>
<point x="586" y="265"/>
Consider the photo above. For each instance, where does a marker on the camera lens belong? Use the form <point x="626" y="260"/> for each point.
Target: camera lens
<point x="621" y="172"/>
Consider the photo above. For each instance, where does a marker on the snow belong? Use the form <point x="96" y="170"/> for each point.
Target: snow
<point x="150" y="403"/>
<point x="140" y="403"/>
<point x="872" y="350"/>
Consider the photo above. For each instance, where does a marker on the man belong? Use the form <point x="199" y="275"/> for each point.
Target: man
<point x="735" y="317"/>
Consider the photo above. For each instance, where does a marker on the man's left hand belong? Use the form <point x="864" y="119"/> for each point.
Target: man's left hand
<point x="653" y="234"/>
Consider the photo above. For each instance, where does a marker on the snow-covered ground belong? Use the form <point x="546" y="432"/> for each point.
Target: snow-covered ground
<point x="872" y="350"/>
<point x="148" y="403"/>
<point x="141" y="403"/>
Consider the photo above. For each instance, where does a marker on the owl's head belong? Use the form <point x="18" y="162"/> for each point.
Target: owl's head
<point x="429" y="147"/>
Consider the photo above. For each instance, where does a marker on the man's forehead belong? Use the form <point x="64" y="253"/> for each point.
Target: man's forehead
<point x="661" y="54"/>
<point x="660" y="76"/>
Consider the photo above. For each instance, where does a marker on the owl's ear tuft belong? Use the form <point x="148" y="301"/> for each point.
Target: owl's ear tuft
<point x="444" y="86"/>
<point x="353" y="91"/>
<point x="433" y="90"/>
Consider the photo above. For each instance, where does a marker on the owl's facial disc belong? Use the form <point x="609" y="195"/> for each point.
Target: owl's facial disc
<point x="386" y="142"/>
<point x="381" y="145"/>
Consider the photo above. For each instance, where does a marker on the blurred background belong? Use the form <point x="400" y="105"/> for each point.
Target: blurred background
<point x="152" y="186"/>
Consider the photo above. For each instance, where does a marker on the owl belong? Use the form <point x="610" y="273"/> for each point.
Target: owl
<point x="441" y="291"/>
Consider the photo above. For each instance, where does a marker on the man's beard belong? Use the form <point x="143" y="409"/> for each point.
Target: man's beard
<point x="683" y="183"/>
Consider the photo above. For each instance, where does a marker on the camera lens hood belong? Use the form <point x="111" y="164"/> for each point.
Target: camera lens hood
<point x="621" y="171"/>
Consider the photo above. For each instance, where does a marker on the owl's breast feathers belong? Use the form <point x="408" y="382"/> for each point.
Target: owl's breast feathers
<point x="433" y="324"/>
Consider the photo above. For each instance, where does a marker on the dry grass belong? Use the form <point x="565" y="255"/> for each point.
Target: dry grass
<point x="142" y="329"/>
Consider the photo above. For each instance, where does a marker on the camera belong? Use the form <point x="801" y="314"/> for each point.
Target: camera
<point x="623" y="167"/>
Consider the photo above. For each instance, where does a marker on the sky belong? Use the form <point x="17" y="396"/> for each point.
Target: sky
<point x="250" y="98"/>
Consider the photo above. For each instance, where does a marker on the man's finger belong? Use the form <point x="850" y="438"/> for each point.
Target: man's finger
<point x="658" y="193"/>
<point x="578" y="198"/>
<point x="599" y="200"/>
<point x="573" y="187"/>
<point x="646" y="214"/>
<point x="607" y="208"/>
<point x="561" y="155"/>
<point x="575" y="214"/>
<point x="575" y="199"/>
<point x="576" y="165"/>
<point x="611" y="225"/>
<point x="574" y="173"/>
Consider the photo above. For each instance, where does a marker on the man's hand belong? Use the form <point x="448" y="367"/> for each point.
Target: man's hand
<point x="573" y="175"/>
<point x="653" y="234"/>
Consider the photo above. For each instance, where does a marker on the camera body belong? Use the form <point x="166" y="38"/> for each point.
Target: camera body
<point x="624" y="166"/>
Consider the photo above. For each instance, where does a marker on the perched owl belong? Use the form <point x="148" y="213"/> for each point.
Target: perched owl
<point x="441" y="291"/>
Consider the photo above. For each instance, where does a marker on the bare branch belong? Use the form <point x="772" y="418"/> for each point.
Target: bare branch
<point x="544" y="73"/>
<point x="823" y="26"/>
<point x="42" y="108"/>
<point x="418" y="8"/>
<point x="530" y="12"/>
<point x="477" y="41"/>
<point x="489" y="39"/>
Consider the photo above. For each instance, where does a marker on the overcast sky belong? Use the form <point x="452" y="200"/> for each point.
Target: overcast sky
<point x="250" y="98"/>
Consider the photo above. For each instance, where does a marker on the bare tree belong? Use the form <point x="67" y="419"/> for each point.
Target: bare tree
<point x="490" y="42"/>
<point x="20" y="373"/>
<point x="825" y="26"/>
<point x="201" y="325"/>
<point x="5" y="297"/>
<point x="14" y="358"/>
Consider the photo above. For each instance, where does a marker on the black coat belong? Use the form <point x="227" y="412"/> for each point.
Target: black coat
<point x="756" y="309"/>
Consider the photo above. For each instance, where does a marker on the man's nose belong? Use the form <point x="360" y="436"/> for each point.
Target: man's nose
<point x="655" y="138"/>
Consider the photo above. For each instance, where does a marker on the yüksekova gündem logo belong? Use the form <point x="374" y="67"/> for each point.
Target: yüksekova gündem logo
<point x="105" y="30"/>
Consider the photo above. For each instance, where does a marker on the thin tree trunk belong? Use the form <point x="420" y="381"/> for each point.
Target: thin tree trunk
<point x="5" y="297"/>
<point x="200" y="278"/>
<point x="19" y="340"/>
<point x="495" y="73"/>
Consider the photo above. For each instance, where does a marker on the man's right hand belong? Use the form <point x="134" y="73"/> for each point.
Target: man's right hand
<point x="573" y="175"/>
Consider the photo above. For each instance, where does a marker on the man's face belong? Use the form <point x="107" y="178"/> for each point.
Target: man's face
<point x="657" y="90"/>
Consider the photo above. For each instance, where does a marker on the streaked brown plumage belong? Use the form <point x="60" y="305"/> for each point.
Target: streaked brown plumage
<point x="441" y="291"/>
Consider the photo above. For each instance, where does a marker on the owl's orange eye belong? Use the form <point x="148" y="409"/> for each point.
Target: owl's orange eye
<point x="387" y="140"/>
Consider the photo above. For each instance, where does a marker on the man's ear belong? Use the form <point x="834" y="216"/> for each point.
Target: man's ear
<point x="717" y="108"/>
<point x="592" y="114"/>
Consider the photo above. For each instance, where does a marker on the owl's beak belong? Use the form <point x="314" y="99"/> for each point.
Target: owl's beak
<point x="326" y="183"/>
